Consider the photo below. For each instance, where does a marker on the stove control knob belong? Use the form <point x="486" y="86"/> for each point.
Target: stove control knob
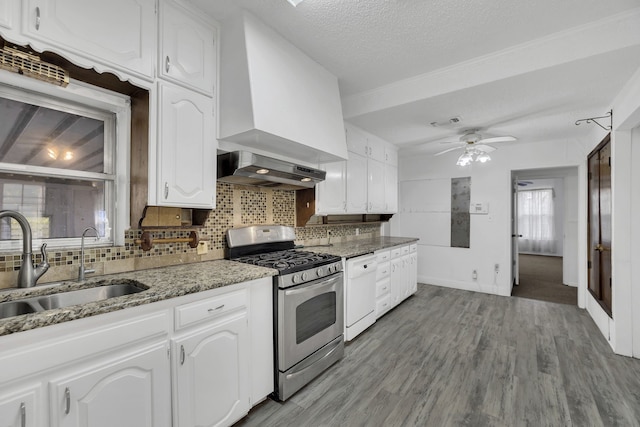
<point x="320" y="272"/>
<point x="305" y="276"/>
<point x="333" y="268"/>
<point x="295" y="278"/>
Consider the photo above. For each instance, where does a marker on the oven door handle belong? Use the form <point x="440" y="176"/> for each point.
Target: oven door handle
<point x="325" y="283"/>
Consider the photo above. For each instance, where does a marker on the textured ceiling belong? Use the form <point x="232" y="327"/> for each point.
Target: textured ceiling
<point x="371" y="45"/>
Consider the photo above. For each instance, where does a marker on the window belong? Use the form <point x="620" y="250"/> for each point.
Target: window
<point x="536" y="221"/>
<point x="63" y="161"/>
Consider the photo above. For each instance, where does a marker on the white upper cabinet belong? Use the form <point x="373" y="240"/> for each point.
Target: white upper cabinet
<point x="375" y="186"/>
<point x="390" y="188"/>
<point x="331" y="194"/>
<point x="186" y="149"/>
<point x="115" y="35"/>
<point x="187" y="49"/>
<point x="357" y="194"/>
<point x="9" y="18"/>
<point x="276" y="100"/>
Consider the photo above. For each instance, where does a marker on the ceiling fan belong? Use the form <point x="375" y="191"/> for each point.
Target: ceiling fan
<point x="475" y="147"/>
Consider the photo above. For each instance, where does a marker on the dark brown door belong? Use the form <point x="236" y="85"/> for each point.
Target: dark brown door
<point x="599" y="258"/>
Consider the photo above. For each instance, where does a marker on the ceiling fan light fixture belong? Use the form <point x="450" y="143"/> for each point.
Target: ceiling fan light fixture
<point x="483" y="158"/>
<point x="464" y="159"/>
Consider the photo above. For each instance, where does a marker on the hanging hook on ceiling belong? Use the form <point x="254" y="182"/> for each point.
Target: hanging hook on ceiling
<point x="609" y="115"/>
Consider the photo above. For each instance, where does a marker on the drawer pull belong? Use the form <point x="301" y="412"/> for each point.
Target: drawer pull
<point x="67" y="401"/>
<point x="37" y="18"/>
<point x="182" y="355"/>
<point x="23" y="415"/>
<point x="220" y="307"/>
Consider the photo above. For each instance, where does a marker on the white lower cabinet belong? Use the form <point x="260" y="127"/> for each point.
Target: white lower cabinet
<point x="22" y="407"/>
<point x="383" y="282"/>
<point x="403" y="273"/>
<point x="207" y="355"/>
<point x="130" y="389"/>
<point x="210" y="371"/>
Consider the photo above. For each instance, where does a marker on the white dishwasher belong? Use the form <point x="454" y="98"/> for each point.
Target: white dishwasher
<point x="360" y="295"/>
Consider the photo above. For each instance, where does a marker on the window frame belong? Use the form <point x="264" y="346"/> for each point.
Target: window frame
<point x="78" y="98"/>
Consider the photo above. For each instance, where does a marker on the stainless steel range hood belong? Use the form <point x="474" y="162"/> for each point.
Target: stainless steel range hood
<point x="245" y="168"/>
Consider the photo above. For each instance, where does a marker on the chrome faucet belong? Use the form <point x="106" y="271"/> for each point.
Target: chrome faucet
<point x="28" y="275"/>
<point x="82" y="270"/>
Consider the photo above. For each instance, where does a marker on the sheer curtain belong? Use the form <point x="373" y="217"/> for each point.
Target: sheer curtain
<point x="536" y="221"/>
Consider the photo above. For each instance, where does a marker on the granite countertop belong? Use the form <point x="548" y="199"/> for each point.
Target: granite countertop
<point x="362" y="246"/>
<point x="162" y="283"/>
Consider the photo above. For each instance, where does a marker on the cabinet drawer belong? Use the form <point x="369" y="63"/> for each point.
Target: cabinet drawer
<point x="383" y="287"/>
<point x="209" y="308"/>
<point x="383" y="256"/>
<point x="396" y="252"/>
<point x="383" y="270"/>
<point x="383" y="305"/>
<point x="405" y="250"/>
<point x="413" y="248"/>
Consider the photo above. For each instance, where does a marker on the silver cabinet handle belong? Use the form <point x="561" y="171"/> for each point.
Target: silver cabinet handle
<point x="182" y="356"/>
<point x="23" y="415"/>
<point x="67" y="401"/>
<point x="37" y="18"/>
<point x="167" y="63"/>
<point x="166" y="190"/>
<point x="220" y="307"/>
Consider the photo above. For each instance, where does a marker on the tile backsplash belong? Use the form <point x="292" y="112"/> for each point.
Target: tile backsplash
<point x="236" y="206"/>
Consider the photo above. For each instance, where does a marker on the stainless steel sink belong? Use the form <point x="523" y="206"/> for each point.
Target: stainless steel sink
<point x="83" y="296"/>
<point x="16" y="308"/>
<point x="68" y="298"/>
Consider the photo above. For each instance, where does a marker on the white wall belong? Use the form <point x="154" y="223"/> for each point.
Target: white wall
<point x="490" y="234"/>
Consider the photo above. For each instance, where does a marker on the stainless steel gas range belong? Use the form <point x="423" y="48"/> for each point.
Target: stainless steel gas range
<point x="308" y="303"/>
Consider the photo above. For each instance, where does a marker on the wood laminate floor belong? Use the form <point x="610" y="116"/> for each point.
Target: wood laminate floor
<point x="449" y="357"/>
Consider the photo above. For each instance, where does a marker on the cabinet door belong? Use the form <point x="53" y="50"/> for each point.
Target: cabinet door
<point x="356" y="141"/>
<point x="187" y="52"/>
<point x="390" y="188"/>
<point x="132" y="390"/>
<point x="9" y="18"/>
<point x="406" y="276"/>
<point x="396" y="281"/>
<point x="375" y="187"/>
<point x="186" y="149"/>
<point x="120" y="33"/>
<point x="211" y="384"/>
<point x="376" y="148"/>
<point x="22" y="408"/>
<point x="356" y="184"/>
<point x="331" y="194"/>
<point x="413" y="276"/>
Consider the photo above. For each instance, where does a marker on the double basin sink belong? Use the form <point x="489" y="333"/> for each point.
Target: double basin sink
<point x="68" y="298"/>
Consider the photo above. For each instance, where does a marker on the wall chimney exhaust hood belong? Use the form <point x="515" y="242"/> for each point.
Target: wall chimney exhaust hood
<point x="274" y="99"/>
<point x="244" y="168"/>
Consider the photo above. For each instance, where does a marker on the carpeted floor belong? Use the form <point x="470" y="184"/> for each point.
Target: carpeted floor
<point x="541" y="279"/>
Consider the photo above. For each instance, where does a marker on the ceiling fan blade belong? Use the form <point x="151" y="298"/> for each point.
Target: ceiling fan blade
<point x="484" y="148"/>
<point x="496" y="139"/>
<point x="448" y="150"/>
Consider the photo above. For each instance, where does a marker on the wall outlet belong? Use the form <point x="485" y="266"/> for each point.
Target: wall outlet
<point x="203" y="248"/>
<point x="357" y="231"/>
<point x="474" y="275"/>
